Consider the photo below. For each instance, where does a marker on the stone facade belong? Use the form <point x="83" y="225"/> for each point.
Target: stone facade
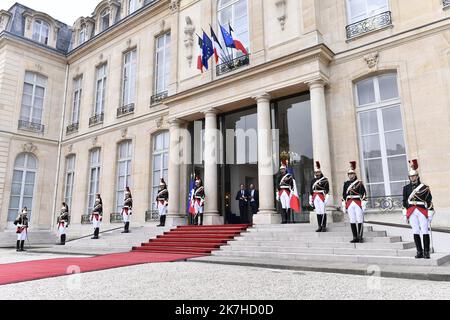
<point x="295" y="46"/>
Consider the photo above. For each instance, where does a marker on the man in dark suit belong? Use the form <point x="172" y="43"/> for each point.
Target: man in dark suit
<point x="242" y="197"/>
<point x="254" y="201"/>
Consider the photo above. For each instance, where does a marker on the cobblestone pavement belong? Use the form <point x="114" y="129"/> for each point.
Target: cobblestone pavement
<point x="190" y="281"/>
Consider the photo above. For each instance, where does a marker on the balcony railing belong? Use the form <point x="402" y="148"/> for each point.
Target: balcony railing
<point x="385" y="203"/>
<point x="446" y="3"/>
<point x="368" y="25"/>
<point x="159" y="97"/>
<point x="86" y="219"/>
<point x="125" y="110"/>
<point x="116" y="218"/>
<point x="72" y="128"/>
<point x="151" y="215"/>
<point x="31" y="126"/>
<point x="97" y="119"/>
<point x="232" y="65"/>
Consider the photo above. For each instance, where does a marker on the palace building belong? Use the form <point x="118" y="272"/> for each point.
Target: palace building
<point x="117" y="99"/>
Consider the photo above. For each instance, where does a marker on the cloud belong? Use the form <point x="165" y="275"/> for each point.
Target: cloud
<point x="63" y="10"/>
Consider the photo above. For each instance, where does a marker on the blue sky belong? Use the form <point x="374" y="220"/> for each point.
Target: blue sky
<point x="66" y="11"/>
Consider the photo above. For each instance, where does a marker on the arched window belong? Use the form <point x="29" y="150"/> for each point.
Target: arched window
<point x="94" y="177"/>
<point x="69" y="180"/>
<point x="22" y="186"/>
<point x="234" y="13"/>
<point x="123" y="172"/>
<point x="160" y="161"/>
<point x="41" y="31"/>
<point x="104" y="19"/>
<point x="382" y="142"/>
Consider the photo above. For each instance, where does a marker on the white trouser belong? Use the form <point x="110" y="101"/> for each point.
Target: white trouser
<point x="162" y="208"/>
<point x="285" y="200"/>
<point x="355" y="213"/>
<point x="95" y="222"/>
<point x="22" y="236"/>
<point x="198" y="208"/>
<point x="126" y="217"/>
<point x="319" y="206"/>
<point x="419" y="223"/>
<point x="62" y="228"/>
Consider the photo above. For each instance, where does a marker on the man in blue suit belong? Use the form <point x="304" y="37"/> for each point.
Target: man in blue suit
<point x="243" y="198"/>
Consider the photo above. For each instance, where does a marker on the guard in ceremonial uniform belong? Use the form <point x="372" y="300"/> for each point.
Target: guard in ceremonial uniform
<point x="198" y="201"/>
<point x="63" y="223"/>
<point x="285" y="187"/>
<point x="97" y="216"/>
<point x="162" y="200"/>
<point x="319" y="196"/>
<point x="127" y="209"/>
<point x="418" y="210"/>
<point x="22" y="228"/>
<point x="354" y="202"/>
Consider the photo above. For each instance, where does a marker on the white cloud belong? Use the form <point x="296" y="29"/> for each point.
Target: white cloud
<point x="66" y="11"/>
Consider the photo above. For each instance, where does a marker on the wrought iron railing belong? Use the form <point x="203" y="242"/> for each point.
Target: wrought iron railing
<point x="97" y="119"/>
<point x="31" y="126"/>
<point x="232" y="65"/>
<point x="86" y="219"/>
<point x="159" y="97"/>
<point x="368" y="25"/>
<point x="115" y="218"/>
<point x="125" y="110"/>
<point x="151" y="215"/>
<point x="385" y="203"/>
<point x="446" y="3"/>
<point x="72" y="128"/>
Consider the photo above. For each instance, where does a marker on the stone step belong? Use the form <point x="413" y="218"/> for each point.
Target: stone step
<point x="306" y="239"/>
<point x="436" y="259"/>
<point x="308" y="229"/>
<point x="316" y="244"/>
<point x="332" y="251"/>
<point x="314" y="234"/>
<point x="299" y="225"/>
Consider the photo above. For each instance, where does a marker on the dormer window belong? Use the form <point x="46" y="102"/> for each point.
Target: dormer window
<point x="132" y="6"/>
<point x="104" y="20"/>
<point x="82" y="35"/>
<point x="41" y="31"/>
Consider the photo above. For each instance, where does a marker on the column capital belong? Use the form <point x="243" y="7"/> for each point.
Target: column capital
<point x="261" y="97"/>
<point x="316" y="83"/>
<point x="175" y="122"/>
<point x="210" y="112"/>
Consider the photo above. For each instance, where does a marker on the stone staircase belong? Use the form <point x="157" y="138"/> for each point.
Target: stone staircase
<point x="300" y="242"/>
<point x="8" y="238"/>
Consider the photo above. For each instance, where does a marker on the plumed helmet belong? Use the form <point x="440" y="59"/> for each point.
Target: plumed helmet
<point x="352" y="167"/>
<point x="414" y="165"/>
<point x="318" y="168"/>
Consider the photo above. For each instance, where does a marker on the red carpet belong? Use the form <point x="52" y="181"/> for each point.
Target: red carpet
<point x="179" y="244"/>
<point x="41" y="269"/>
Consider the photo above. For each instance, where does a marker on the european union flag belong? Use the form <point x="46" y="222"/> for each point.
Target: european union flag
<point x="227" y="37"/>
<point x="207" y="49"/>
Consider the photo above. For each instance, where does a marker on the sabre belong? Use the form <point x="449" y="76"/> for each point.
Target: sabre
<point x="431" y="238"/>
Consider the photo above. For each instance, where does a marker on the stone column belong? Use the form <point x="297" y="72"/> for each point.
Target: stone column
<point x="321" y="144"/>
<point x="174" y="217"/>
<point x="267" y="213"/>
<point x="211" y="215"/>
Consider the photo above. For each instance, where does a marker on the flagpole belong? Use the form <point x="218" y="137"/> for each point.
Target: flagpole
<point x="230" y="56"/>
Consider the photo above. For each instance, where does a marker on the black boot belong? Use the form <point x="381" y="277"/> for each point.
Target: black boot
<point x="201" y="219"/>
<point x="161" y="222"/>
<point x="164" y="221"/>
<point x="319" y="222"/>
<point x="63" y="239"/>
<point x="283" y="216"/>
<point x="126" y="228"/>
<point x="360" y="232"/>
<point x="96" y="233"/>
<point x="418" y="243"/>
<point x="426" y="246"/>
<point x="22" y="243"/>
<point x="324" y="223"/>
<point x="18" y="246"/>
<point x="355" y="233"/>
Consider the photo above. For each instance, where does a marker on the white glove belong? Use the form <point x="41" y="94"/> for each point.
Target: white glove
<point x="327" y="198"/>
<point x="404" y="216"/>
<point x="344" y="209"/>
<point x="430" y="215"/>
<point x="364" y="206"/>
<point x="311" y="201"/>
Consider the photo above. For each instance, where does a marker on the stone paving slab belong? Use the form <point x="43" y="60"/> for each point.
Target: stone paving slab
<point x="441" y="273"/>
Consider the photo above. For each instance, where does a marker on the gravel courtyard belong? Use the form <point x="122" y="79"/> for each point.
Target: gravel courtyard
<point x="191" y="281"/>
